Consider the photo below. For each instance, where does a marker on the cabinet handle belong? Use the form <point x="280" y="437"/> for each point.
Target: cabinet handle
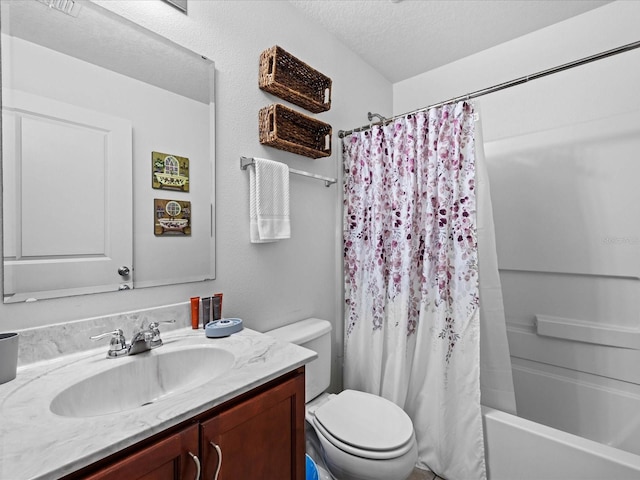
<point x="197" y="462"/>
<point x="219" y="451"/>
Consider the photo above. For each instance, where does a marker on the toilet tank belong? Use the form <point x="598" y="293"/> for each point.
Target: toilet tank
<point x="314" y="334"/>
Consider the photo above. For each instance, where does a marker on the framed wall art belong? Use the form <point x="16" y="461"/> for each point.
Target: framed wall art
<point x="171" y="217"/>
<point x="169" y="172"/>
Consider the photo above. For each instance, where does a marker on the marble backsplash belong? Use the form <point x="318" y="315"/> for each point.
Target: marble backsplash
<point x="52" y="341"/>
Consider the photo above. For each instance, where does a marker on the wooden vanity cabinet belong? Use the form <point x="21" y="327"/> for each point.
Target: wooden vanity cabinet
<point x="260" y="435"/>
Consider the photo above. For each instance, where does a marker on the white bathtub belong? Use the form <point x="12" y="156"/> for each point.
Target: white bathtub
<point x="519" y="449"/>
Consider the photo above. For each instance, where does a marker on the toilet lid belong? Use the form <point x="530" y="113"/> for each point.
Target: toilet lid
<point x="365" y="421"/>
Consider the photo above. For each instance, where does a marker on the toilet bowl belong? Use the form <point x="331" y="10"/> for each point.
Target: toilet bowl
<point x="361" y="436"/>
<point x="364" y="437"/>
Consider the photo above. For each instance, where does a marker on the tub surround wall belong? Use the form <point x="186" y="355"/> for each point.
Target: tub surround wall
<point x="562" y="155"/>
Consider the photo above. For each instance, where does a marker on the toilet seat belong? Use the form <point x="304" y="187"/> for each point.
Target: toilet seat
<point x="365" y="425"/>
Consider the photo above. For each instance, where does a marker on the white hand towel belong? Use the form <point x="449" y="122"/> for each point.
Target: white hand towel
<point x="269" y="201"/>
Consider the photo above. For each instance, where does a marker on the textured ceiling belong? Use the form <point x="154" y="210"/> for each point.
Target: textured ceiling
<point x="401" y="39"/>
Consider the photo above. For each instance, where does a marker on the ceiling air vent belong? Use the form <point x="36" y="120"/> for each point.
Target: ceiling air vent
<point x="70" y="7"/>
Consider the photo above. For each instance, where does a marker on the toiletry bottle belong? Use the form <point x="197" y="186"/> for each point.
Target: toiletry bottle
<point x="206" y="311"/>
<point x="195" y="312"/>
<point x="216" y="306"/>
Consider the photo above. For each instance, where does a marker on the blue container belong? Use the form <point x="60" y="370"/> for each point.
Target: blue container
<point x="312" y="470"/>
<point x="223" y="327"/>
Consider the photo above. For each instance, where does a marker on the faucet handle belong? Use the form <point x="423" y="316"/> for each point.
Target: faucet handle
<point x="117" y="345"/>
<point x="156" y="341"/>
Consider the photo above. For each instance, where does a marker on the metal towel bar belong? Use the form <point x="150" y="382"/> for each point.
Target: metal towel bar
<point x="246" y="161"/>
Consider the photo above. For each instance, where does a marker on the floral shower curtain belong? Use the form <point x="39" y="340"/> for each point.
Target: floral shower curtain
<point x="411" y="280"/>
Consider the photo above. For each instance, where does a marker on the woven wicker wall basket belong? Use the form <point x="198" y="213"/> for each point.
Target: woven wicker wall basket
<point x="285" y="129"/>
<point x="291" y="79"/>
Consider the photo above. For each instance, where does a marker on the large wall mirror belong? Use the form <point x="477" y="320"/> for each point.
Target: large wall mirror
<point x="107" y="154"/>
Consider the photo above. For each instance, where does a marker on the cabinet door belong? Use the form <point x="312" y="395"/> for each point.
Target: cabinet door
<point x="168" y="459"/>
<point x="261" y="438"/>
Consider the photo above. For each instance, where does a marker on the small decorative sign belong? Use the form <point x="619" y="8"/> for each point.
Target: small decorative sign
<point x="172" y="217"/>
<point x="169" y="172"/>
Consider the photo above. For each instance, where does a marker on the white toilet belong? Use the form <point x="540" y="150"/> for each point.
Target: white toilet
<point x="362" y="436"/>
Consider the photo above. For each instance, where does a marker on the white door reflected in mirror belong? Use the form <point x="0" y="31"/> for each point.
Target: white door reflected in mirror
<point x="69" y="181"/>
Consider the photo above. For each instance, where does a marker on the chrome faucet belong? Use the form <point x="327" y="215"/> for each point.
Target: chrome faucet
<point x="141" y="341"/>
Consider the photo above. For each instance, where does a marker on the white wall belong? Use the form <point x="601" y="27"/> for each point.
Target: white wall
<point x="562" y="154"/>
<point x="593" y="32"/>
<point x="267" y="285"/>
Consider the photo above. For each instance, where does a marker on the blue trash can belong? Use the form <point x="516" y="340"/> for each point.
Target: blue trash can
<point x="312" y="470"/>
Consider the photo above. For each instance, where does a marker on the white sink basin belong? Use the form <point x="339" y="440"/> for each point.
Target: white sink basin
<point x="141" y="380"/>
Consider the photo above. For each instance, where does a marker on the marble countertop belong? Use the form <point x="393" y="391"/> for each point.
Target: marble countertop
<point x="36" y="443"/>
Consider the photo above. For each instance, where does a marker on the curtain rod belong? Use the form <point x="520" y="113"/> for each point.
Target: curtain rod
<point x="505" y="85"/>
